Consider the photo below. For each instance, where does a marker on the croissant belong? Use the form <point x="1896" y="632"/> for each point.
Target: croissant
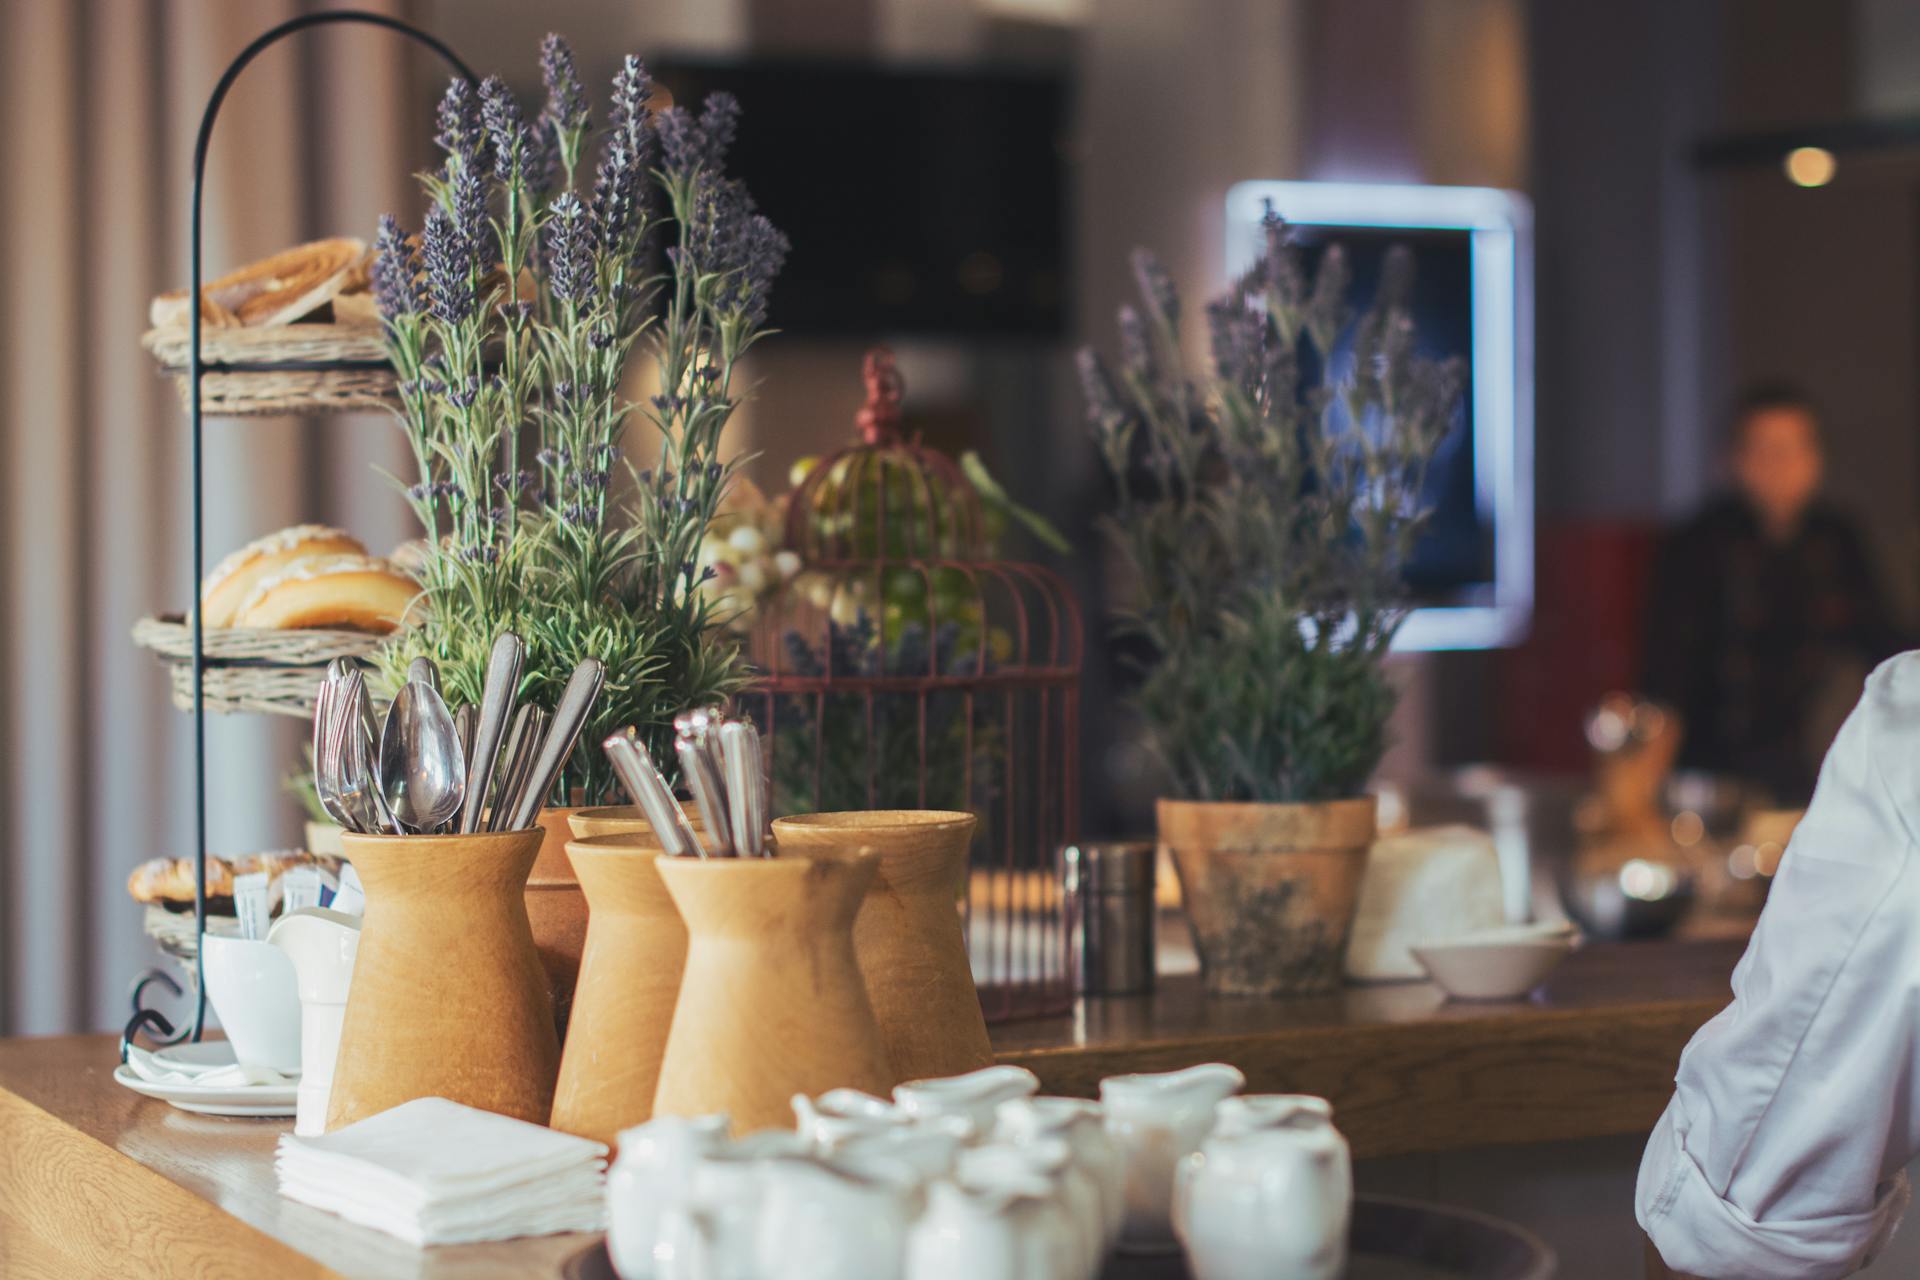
<point x="272" y="291"/>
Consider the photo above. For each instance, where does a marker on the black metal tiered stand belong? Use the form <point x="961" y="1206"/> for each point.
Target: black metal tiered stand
<point x="157" y="1026"/>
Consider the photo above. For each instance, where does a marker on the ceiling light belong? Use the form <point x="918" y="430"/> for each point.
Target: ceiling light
<point x="1809" y="166"/>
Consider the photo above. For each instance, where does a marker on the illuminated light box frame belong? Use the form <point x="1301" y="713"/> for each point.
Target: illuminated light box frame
<point x="1501" y="252"/>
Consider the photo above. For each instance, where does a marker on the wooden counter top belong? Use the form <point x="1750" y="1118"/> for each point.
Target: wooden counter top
<point x="1591" y="1055"/>
<point x="98" y="1181"/>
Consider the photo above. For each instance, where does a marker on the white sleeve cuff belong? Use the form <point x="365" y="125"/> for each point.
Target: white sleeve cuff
<point x="1702" y="1234"/>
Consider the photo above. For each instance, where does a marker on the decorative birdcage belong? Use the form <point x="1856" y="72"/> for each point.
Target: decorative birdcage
<point x="903" y="667"/>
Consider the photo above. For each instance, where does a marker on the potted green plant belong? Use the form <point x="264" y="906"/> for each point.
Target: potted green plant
<point x="509" y="320"/>
<point x="1263" y="519"/>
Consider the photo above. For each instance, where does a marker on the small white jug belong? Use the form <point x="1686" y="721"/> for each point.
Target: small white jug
<point x="1065" y="1218"/>
<point x="1008" y="1230"/>
<point x="1082" y="1126"/>
<point x="321" y="944"/>
<point x="826" y="1219"/>
<point x="841" y="1114"/>
<point x="651" y="1172"/>
<point x="973" y="1096"/>
<point x="1156" y="1121"/>
<point x="1264" y="1201"/>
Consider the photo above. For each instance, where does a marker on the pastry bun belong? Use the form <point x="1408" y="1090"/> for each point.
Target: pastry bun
<point x="351" y="592"/>
<point x="233" y="580"/>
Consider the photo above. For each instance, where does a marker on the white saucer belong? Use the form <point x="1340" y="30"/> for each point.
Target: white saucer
<point x="218" y="1100"/>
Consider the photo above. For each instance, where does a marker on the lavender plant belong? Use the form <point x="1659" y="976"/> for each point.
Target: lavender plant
<point x="509" y="321"/>
<point x="1263" y="523"/>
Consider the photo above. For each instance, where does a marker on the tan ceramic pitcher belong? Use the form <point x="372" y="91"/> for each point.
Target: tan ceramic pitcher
<point x="629" y="980"/>
<point x="771" y="1003"/>
<point x="448" y="998"/>
<point x="913" y="953"/>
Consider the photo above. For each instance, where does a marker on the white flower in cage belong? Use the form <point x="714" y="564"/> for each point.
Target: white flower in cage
<point x="753" y="576"/>
<point x="747" y="540"/>
<point x="846" y="608"/>
<point x="817" y="589"/>
<point x="787" y="564"/>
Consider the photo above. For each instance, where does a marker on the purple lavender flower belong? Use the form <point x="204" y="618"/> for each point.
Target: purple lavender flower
<point x="730" y="238"/>
<point x="1136" y="345"/>
<point x="689" y="144"/>
<point x="570" y="250"/>
<point x="631" y="116"/>
<point x="1156" y="286"/>
<point x="619" y="196"/>
<point x="507" y="129"/>
<point x="1234" y="335"/>
<point x="566" y="97"/>
<point x="396" y="292"/>
<point x="462" y="134"/>
<point x="470" y="216"/>
<point x="449" y="268"/>
<point x="1096" y="387"/>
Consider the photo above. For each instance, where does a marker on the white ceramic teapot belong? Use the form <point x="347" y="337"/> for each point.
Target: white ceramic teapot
<point x="1066" y="1214"/>
<point x="1267" y="1200"/>
<point x="652" y="1172"/>
<point x="1156" y="1121"/>
<point x="1082" y="1126"/>
<point x="321" y="943"/>
<point x="973" y="1096"/>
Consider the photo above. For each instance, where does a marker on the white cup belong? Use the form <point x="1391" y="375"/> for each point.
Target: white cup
<point x="253" y="991"/>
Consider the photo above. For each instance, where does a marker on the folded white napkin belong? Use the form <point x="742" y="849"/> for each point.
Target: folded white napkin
<point x="435" y="1172"/>
<point x="206" y="1076"/>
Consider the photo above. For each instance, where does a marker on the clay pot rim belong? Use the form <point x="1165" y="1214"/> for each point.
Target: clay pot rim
<point x="382" y="840"/>
<point x="856" y="820"/>
<point x="851" y="857"/>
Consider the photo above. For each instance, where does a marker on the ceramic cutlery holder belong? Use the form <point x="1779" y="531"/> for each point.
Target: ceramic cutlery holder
<point x="557" y="912"/>
<point x="912" y="951"/>
<point x="772" y="1002"/>
<point x="629" y="981"/>
<point x="448" y="999"/>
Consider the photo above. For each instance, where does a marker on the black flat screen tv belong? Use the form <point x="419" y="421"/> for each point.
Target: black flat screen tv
<point x="920" y="200"/>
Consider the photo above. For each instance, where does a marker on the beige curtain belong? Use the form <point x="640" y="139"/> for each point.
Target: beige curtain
<point x="102" y="98"/>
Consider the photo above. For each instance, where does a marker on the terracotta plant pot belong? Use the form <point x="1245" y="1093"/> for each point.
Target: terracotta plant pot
<point x="448" y="999"/>
<point x="771" y="1003"/>
<point x="908" y="936"/>
<point x="1270" y="889"/>
<point x="557" y="911"/>
<point x="629" y="980"/>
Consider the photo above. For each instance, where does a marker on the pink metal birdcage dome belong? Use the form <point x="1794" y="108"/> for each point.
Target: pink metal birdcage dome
<point x="904" y="667"/>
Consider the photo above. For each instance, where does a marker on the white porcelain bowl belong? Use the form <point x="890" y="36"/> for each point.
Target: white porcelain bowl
<point x="1503" y="963"/>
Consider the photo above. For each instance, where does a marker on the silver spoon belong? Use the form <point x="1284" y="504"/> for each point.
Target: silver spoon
<point x="649" y="791"/>
<point x="353" y="760"/>
<point x="423" y="769"/>
<point x="569" y="717"/>
<point x="496" y="709"/>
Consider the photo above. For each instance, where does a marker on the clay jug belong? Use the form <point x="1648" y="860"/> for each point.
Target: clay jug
<point x="912" y="950"/>
<point x="447" y="998"/>
<point x="771" y="1003"/>
<point x="557" y="912"/>
<point x="629" y="980"/>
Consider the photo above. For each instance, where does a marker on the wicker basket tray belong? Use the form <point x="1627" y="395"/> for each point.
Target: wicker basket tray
<point x="249" y="669"/>
<point x="296" y="368"/>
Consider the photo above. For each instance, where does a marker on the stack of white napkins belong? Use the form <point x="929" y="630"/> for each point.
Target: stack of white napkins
<point x="435" y="1172"/>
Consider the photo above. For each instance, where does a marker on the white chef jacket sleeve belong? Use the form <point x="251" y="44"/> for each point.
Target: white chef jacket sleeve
<point x="1796" y="1110"/>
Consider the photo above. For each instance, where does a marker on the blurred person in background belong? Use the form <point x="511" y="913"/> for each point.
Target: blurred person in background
<point x="1765" y="607"/>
